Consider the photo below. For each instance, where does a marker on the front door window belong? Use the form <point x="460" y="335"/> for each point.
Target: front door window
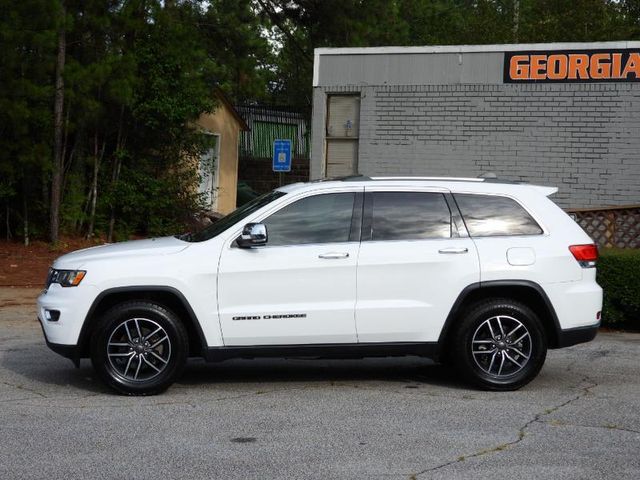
<point x="318" y="219"/>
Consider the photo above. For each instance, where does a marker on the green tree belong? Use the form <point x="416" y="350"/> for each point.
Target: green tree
<point x="629" y="14"/>
<point x="300" y="26"/>
<point x="173" y="89"/>
<point x="96" y="95"/>
<point x="570" y="21"/>
<point x="27" y="53"/>
<point x="232" y="34"/>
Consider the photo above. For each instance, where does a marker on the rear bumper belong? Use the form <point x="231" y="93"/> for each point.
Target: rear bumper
<point x="573" y="336"/>
<point x="576" y="304"/>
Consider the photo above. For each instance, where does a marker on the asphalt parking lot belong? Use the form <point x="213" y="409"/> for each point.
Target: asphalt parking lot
<point x="375" y="418"/>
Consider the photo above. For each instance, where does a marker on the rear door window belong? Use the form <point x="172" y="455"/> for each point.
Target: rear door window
<point x="493" y="215"/>
<point x="409" y="216"/>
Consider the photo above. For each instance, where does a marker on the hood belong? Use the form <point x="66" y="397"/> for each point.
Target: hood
<point x="137" y="248"/>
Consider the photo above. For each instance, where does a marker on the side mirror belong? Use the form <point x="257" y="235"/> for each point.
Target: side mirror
<point x="253" y="235"/>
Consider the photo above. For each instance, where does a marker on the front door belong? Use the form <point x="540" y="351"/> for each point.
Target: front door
<point x="301" y="287"/>
<point x="413" y="264"/>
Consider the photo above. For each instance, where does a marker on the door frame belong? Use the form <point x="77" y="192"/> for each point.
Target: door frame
<point x="338" y="138"/>
<point x="354" y="241"/>
<point x="212" y="192"/>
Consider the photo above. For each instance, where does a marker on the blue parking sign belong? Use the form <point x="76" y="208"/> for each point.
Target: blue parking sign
<point x="282" y="155"/>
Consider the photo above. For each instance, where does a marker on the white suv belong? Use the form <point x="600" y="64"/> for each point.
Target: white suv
<point x="483" y="274"/>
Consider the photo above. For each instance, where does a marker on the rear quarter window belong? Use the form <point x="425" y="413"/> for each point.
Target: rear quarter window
<point x="493" y="215"/>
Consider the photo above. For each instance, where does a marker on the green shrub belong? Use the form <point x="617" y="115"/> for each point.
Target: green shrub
<point x="619" y="276"/>
<point x="152" y="203"/>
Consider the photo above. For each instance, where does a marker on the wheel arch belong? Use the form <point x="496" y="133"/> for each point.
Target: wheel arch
<point x="525" y="291"/>
<point x="166" y="296"/>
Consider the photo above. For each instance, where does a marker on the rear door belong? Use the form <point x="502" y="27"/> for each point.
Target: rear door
<point x="415" y="259"/>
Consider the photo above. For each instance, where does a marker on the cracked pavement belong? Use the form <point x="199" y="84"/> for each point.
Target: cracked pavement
<point x="399" y="418"/>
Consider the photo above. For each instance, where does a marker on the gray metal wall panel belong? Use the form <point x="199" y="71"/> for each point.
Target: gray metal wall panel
<point x="410" y="69"/>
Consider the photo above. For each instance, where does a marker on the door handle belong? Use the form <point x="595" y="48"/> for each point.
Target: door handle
<point x="454" y="250"/>
<point x="333" y="255"/>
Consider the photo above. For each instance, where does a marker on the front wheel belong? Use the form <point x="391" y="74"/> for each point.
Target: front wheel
<point x="500" y="345"/>
<point x="139" y="348"/>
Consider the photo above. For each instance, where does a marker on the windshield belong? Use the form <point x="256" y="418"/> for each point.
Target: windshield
<point x="234" y="217"/>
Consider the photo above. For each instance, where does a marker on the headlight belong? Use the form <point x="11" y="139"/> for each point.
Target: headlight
<point x="66" y="278"/>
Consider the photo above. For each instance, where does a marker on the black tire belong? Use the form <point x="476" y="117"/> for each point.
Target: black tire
<point x="496" y="365"/>
<point x="133" y="367"/>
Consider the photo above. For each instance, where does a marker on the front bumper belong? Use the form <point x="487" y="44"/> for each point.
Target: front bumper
<point x="67" y="351"/>
<point x="72" y="303"/>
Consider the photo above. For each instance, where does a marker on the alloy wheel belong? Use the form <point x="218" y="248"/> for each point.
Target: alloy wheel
<point x="501" y="346"/>
<point x="139" y="349"/>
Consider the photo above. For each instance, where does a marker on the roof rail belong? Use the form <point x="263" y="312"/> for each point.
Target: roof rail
<point x="446" y="179"/>
<point x="490" y="178"/>
<point x="500" y="180"/>
<point x="348" y="178"/>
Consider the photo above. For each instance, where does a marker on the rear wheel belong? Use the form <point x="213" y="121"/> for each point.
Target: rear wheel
<point x="139" y="348"/>
<point x="499" y="345"/>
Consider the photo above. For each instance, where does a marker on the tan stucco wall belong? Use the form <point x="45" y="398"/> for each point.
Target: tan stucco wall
<point x="223" y="123"/>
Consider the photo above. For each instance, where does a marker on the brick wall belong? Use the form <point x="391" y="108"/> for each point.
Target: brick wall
<point x="582" y="138"/>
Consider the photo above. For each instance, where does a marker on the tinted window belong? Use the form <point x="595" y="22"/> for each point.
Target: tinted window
<point x="318" y="219"/>
<point x="233" y="218"/>
<point x="410" y="216"/>
<point x="487" y="215"/>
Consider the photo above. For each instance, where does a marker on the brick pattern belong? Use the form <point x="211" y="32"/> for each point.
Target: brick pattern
<point x="582" y="138"/>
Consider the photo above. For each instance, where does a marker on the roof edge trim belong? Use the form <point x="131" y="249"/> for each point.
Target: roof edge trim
<point x="507" y="47"/>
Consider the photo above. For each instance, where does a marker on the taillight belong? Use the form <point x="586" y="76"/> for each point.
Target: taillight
<point x="586" y="255"/>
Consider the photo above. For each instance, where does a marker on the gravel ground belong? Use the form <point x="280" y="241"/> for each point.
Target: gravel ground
<point x="374" y="418"/>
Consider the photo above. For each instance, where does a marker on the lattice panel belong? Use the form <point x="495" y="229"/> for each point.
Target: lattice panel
<point x="611" y="227"/>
